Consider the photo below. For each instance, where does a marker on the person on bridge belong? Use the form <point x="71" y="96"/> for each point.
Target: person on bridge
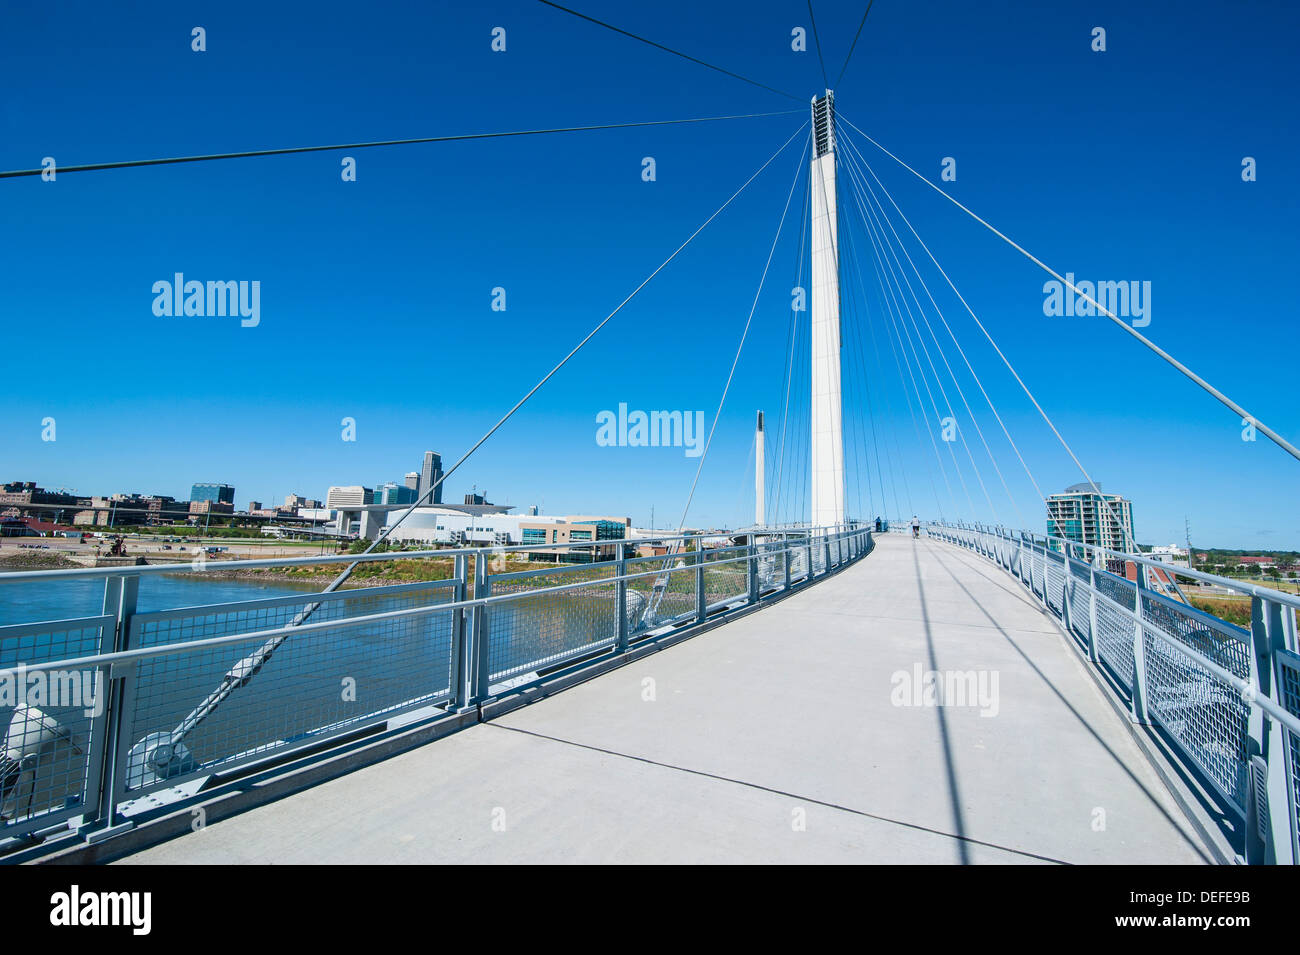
<point x="916" y="526"/>
<point x="877" y="525"/>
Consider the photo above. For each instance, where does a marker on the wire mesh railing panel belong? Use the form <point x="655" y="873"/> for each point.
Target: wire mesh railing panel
<point x="1221" y="642"/>
<point x="1115" y="628"/>
<point x="48" y="719"/>
<point x="1289" y="692"/>
<point x="313" y="684"/>
<point x="533" y="633"/>
<point x="798" y="560"/>
<point x="1206" y="716"/>
<point x="668" y="595"/>
<point x="725" y="582"/>
<point x="163" y="627"/>
<point x="771" y="564"/>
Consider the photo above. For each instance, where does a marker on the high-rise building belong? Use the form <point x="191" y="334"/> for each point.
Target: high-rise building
<point x="214" y="493"/>
<point x="430" y="474"/>
<point x="1083" y="515"/>
<point x="413" y="481"/>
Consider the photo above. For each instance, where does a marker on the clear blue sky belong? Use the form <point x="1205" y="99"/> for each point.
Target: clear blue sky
<point x="376" y="294"/>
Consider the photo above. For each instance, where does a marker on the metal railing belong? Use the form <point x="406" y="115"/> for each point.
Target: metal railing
<point x="1225" y="698"/>
<point x="127" y="711"/>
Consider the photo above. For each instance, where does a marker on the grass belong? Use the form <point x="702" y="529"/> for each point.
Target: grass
<point x="395" y="571"/>
<point x="1232" y="609"/>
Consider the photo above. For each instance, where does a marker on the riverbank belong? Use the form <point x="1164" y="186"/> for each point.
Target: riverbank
<point x="368" y="574"/>
<point x="395" y="570"/>
<point x="34" y="560"/>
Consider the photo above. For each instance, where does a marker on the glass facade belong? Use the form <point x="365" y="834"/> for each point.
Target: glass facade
<point x="216" y="493"/>
<point x="395" y="494"/>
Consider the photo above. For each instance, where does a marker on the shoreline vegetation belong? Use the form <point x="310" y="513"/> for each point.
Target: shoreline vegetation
<point x="396" y="570"/>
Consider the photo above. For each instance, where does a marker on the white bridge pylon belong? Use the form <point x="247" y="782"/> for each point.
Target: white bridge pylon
<point x="827" y="441"/>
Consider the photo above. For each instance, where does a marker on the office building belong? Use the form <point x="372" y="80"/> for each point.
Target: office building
<point x="1083" y="515"/>
<point x="391" y="493"/>
<point x="473" y="524"/>
<point x="348" y="496"/>
<point x="430" y="474"/>
<point x="217" y="493"/>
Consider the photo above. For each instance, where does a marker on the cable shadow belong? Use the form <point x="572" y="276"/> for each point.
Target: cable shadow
<point x="954" y="791"/>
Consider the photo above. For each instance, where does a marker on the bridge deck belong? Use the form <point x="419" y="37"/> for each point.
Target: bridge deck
<point x="784" y="710"/>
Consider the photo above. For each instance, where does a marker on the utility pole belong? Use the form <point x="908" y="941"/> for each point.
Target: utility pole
<point x="1191" y="557"/>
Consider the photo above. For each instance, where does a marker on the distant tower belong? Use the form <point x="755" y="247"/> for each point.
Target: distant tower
<point x="430" y="474"/>
<point x="827" y="439"/>
<point x="413" y="481"/>
<point x="760" y="517"/>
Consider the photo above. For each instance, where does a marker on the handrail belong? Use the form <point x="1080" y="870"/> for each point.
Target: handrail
<point x="1291" y="600"/>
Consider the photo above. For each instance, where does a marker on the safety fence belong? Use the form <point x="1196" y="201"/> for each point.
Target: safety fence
<point x="111" y="715"/>
<point x="1225" y="698"/>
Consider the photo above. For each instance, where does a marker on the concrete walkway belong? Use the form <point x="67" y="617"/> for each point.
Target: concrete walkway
<point x="775" y="738"/>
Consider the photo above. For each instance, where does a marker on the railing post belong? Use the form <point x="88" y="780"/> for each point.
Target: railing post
<point x="1043" y="567"/>
<point x="481" y="680"/>
<point x="460" y="685"/>
<point x="1139" y="705"/>
<point x="1092" y="612"/>
<point x="700" y="603"/>
<point x="1268" y="842"/>
<point x="107" y="738"/>
<point x="620" y="600"/>
<point x="826" y="555"/>
<point x="807" y="558"/>
<point x="785" y="559"/>
<point x="1067" y="580"/>
<point x="751" y="551"/>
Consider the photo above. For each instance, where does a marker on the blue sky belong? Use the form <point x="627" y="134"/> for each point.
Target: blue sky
<point x="376" y="294"/>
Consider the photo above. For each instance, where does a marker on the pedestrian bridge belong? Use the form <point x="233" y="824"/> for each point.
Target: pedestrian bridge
<point x="971" y="696"/>
<point x="775" y="738"/>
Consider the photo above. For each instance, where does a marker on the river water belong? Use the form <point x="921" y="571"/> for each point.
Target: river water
<point x="30" y="602"/>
